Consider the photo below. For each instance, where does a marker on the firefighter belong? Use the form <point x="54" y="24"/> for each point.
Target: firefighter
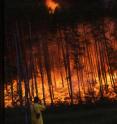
<point x="36" y="111"/>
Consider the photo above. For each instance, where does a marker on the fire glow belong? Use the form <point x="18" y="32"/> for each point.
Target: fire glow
<point x="52" y="5"/>
<point x="90" y="77"/>
<point x="61" y="93"/>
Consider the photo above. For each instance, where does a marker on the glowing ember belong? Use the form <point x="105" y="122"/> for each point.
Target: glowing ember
<point x="52" y="5"/>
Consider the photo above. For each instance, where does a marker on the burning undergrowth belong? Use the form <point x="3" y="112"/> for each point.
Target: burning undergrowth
<point x="70" y="64"/>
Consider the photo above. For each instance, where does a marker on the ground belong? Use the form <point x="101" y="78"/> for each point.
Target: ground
<point x="78" y="115"/>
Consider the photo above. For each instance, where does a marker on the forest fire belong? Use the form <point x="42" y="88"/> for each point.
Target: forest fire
<point x="59" y="63"/>
<point x="52" y="5"/>
<point x="75" y="66"/>
<point x="61" y="93"/>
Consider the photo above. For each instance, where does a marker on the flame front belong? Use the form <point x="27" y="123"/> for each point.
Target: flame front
<point x="52" y="5"/>
<point x="62" y="68"/>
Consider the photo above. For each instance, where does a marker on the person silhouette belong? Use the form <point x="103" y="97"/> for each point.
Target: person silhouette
<point x="36" y="111"/>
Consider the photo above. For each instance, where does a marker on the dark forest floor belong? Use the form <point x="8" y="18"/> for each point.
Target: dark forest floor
<point x="78" y="115"/>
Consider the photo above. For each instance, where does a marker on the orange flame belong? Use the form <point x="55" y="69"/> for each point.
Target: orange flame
<point x="87" y="86"/>
<point x="52" y="5"/>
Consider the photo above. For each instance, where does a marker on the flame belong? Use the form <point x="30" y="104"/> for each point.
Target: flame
<point x="52" y="5"/>
<point x="61" y="93"/>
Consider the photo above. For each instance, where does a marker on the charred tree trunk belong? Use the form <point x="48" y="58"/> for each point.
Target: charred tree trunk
<point x="32" y="57"/>
<point x="41" y="70"/>
<point x="48" y="68"/>
<point x="68" y="68"/>
<point x="65" y="62"/>
<point x="18" y="59"/>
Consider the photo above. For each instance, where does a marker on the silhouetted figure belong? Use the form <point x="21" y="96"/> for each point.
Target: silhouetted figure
<point x="36" y="109"/>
